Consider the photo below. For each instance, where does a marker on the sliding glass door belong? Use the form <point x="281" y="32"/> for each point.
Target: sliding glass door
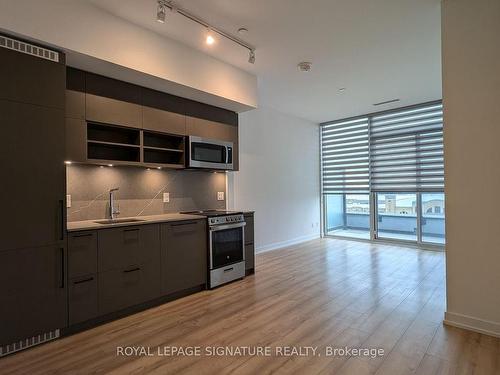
<point x="406" y="217"/>
<point x="397" y="216"/>
<point x="348" y="215"/>
<point x="433" y="219"/>
<point x="383" y="176"/>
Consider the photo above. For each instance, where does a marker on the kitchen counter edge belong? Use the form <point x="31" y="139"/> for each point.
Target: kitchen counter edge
<point x="76" y="226"/>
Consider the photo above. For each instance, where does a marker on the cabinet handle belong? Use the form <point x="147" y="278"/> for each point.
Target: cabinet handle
<point x="83" y="235"/>
<point x="132" y="270"/>
<point x="83" y="281"/>
<point x="63" y="275"/>
<point x="131" y="230"/>
<point x="61" y="219"/>
<point x="229" y="269"/>
<point x="182" y="224"/>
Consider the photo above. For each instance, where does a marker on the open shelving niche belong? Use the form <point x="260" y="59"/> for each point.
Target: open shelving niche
<point x="127" y="146"/>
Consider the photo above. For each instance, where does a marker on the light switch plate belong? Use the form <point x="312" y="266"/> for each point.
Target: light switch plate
<point x="166" y="197"/>
<point x="220" y="195"/>
<point x="68" y="201"/>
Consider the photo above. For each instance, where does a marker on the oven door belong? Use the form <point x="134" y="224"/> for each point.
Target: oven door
<point x="227" y="244"/>
<point x="212" y="154"/>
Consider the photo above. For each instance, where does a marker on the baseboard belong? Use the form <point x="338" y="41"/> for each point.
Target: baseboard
<point x="472" y="324"/>
<point x="293" y="241"/>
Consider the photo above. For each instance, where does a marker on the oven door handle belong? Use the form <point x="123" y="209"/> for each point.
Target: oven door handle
<point x="215" y="228"/>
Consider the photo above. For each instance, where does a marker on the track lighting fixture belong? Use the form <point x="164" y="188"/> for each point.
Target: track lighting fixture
<point x="164" y="5"/>
<point x="210" y="39"/>
<point x="251" y="56"/>
<point x="161" y="12"/>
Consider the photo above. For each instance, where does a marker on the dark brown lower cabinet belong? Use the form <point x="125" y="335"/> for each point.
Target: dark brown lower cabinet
<point x="82" y="253"/>
<point x="183" y="255"/>
<point x="125" y="246"/>
<point x="249" y="257"/>
<point x="249" y="242"/>
<point x="128" y="286"/>
<point x="83" y="299"/>
<point x="33" y="290"/>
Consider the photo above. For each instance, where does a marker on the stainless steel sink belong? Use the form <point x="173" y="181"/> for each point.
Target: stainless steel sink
<point x="117" y="221"/>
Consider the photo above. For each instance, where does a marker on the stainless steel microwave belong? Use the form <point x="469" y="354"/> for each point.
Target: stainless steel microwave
<point x="209" y="153"/>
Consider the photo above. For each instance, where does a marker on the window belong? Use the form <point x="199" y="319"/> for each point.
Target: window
<point x="348" y="215"/>
<point x="394" y="159"/>
<point x="397" y="216"/>
<point x="433" y="218"/>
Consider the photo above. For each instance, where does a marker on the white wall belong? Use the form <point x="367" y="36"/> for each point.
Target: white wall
<point x="471" y="95"/>
<point x="278" y="177"/>
<point x="108" y="45"/>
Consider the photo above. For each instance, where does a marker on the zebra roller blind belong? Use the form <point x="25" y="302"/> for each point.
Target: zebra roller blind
<point x="406" y="150"/>
<point x="395" y="151"/>
<point x="345" y="156"/>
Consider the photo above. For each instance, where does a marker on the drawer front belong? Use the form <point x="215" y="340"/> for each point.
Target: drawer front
<point x="130" y="286"/>
<point x="82" y="253"/>
<point x="249" y="231"/>
<point x="120" y="248"/>
<point x="249" y="256"/>
<point x="184" y="255"/>
<point x="83" y="299"/>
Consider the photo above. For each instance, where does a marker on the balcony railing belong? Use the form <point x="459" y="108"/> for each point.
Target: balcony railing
<point x="389" y="225"/>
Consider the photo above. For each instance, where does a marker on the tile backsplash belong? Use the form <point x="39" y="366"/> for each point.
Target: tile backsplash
<point x="141" y="191"/>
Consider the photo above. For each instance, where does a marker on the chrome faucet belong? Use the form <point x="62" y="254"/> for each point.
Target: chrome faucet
<point x="113" y="211"/>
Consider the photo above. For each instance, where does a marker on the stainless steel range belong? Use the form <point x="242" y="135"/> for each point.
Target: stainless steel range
<point x="226" y="243"/>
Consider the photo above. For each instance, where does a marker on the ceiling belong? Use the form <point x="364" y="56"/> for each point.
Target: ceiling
<point x="377" y="50"/>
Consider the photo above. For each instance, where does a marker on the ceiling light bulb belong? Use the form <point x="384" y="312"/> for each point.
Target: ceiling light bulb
<point x="110" y="165"/>
<point x="210" y="39"/>
<point x="160" y="13"/>
<point x="251" y="57"/>
<point x="67" y="162"/>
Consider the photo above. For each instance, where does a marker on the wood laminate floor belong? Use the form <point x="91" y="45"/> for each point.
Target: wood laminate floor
<point x="323" y="293"/>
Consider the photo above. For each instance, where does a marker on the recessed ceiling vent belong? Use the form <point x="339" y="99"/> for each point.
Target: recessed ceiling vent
<point x="28" y="49"/>
<point x="304" y="66"/>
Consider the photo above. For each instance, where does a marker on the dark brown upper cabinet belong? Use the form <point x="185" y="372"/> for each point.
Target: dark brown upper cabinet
<point x="163" y="112"/>
<point x="75" y="94"/>
<point x="76" y="140"/>
<point x="112" y="111"/>
<point x="163" y="121"/>
<point x="93" y="101"/>
<point x="28" y="79"/>
<point x="112" y="102"/>
<point x="215" y="130"/>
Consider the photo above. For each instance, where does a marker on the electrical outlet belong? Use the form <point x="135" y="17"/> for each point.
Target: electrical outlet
<point x="166" y="197"/>
<point x="68" y="201"/>
<point x="220" y="195"/>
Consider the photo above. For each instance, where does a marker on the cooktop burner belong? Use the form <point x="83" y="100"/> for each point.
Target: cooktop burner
<point x="211" y="213"/>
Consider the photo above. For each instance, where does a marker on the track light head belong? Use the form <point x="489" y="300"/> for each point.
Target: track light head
<point x="161" y="12"/>
<point x="251" y="56"/>
<point x="210" y="39"/>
